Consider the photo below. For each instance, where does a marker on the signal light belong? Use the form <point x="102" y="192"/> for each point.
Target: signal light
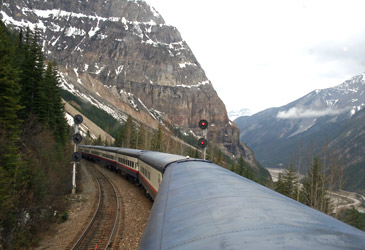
<point x="77" y="138"/>
<point x="76" y="157"/>
<point x="203" y="124"/>
<point x="202" y="142"/>
<point x="78" y="119"/>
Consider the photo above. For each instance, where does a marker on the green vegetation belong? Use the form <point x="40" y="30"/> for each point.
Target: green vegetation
<point x="287" y="183"/>
<point x="33" y="140"/>
<point x="355" y="177"/>
<point x="101" y="118"/>
<point x="315" y="189"/>
<point x="353" y="217"/>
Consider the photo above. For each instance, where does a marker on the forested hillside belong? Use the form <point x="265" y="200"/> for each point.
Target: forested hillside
<point x="34" y="155"/>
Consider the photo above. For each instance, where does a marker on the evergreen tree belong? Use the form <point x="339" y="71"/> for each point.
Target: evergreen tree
<point x="219" y="157"/>
<point x="314" y="188"/>
<point x="28" y="76"/>
<point x="158" y="140"/>
<point x="40" y="99"/>
<point x="240" y="167"/>
<point x="128" y="132"/>
<point x="287" y="184"/>
<point x="98" y="141"/>
<point x="196" y="154"/>
<point x="54" y="110"/>
<point x="10" y="158"/>
<point x="141" y="137"/>
<point x="280" y="187"/>
<point x="120" y="137"/>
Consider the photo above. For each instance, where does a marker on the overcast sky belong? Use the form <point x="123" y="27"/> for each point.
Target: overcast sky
<point x="266" y="53"/>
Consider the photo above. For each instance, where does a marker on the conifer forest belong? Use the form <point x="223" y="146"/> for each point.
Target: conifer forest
<point x="34" y="150"/>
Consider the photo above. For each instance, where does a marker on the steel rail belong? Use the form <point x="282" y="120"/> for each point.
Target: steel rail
<point x="116" y="214"/>
<point x="83" y="235"/>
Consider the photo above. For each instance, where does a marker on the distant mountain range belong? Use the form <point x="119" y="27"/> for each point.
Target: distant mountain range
<point x="333" y="118"/>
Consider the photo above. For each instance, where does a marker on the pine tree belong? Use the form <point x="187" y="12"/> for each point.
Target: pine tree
<point x="127" y="132"/>
<point x="28" y="77"/>
<point x="280" y="187"/>
<point x="141" y="137"/>
<point x="55" y="113"/>
<point x="158" y="140"/>
<point x="98" y="141"/>
<point x="10" y="158"/>
<point x="240" y="167"/>
<point x="40" y="98"/>
<point x="290" y="182"/>
<point x="314" y="188"/>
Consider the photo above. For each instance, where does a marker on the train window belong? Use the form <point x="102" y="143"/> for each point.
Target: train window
<point x="146" y="173"/>
<point x="108" y="156"/>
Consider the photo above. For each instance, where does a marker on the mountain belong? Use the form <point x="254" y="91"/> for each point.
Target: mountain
<point x="333" y="116"/>
<point x="121" y="56"/>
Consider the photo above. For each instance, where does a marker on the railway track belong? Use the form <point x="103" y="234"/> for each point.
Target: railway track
<point x="103" y="225"/>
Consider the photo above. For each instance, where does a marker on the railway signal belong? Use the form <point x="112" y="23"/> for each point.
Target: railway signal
<point x="78" y="119"/>
<point x="76" y="156"/>
<point x="203" y="124"/>
<point x="202" y="142"/>
<point x="77" y="138"/>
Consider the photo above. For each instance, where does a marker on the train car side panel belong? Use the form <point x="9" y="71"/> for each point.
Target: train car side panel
<point x="150" y="178"/>
<point x="127" y="164"/>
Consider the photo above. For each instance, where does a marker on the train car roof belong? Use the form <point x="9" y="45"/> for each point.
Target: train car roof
<point x="130" y="152"/>
<point x="126" y="151"/>
<point x="204" y="206"/>
<point x="159" y="160"/>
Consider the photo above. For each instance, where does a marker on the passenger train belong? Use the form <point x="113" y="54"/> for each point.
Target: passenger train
<point x="200" y="205"/>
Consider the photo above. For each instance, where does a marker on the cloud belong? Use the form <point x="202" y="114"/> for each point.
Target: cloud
<point x="298" y="113"/>
<point x="345" y="55"/>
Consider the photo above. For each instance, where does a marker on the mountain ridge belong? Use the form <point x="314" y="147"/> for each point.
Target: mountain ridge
<point x="332" y="116"/>
<point x="122" y="57"/>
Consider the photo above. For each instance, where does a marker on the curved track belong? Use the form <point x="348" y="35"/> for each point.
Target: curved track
<point x="101" y="229"/>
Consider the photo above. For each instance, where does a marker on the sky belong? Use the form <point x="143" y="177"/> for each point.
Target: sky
<point x="260" y="54"/>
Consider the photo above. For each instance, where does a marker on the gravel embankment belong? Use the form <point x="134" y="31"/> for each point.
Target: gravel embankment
<point x="134" y="211"/>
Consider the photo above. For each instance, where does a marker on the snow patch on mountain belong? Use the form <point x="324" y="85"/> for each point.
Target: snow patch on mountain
<point x="71" y="88"/>
<point x="183" y="65"/>
<point x="197" y="85"/>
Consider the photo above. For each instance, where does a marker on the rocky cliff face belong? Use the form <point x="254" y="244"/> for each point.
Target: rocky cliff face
<point x="123" y="57"/>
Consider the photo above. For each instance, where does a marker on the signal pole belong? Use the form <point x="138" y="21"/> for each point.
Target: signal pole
<point x="76" y="156"/>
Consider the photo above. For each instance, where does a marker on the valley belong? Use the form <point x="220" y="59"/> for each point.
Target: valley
<point x="328" y="123"/>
